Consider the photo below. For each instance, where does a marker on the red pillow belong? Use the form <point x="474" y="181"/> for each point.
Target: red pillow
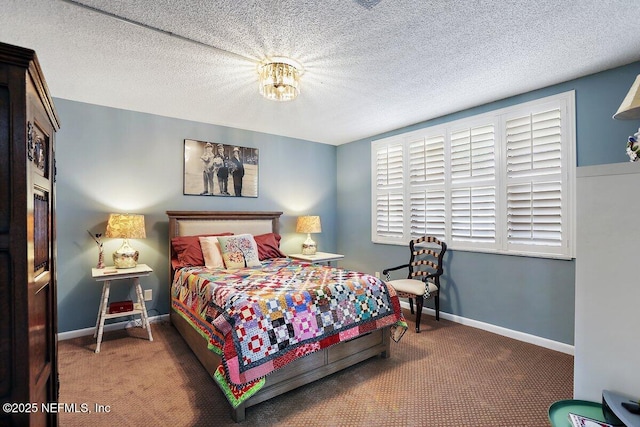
<point x="188" y="252"/>
<point x="268" y="246"/>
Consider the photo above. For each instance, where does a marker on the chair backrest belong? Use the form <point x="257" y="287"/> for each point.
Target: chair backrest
<point x="426" y="258"/>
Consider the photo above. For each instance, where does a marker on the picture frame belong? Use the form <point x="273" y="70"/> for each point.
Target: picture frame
<point x="216" y="169"/>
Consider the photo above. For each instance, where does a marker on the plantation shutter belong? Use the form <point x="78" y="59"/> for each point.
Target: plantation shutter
<point x="426" y="161"/>
<point x="473" y="185"/>
<point x="427" y="180"/>
<point x="497" y="182"/>
<point x="389" y="208"/>
<point x="534" y="179"/>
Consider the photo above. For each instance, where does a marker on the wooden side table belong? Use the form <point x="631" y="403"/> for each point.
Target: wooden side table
<point x="106" y="275"/>
<point x="319" y="257"/>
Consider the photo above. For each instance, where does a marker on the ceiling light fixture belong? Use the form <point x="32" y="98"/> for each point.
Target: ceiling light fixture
<point x="280" y="79"/>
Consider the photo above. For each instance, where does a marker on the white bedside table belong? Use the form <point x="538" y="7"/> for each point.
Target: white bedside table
<point x="319" y="257"/>
<point x="106" y="275"/>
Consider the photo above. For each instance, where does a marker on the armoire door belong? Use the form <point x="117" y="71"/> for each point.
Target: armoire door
<point x="28" y="301"/>
<point x="42" y="298"/>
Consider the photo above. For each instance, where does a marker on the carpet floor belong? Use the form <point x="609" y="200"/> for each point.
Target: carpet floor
<point x="448" y="375"/>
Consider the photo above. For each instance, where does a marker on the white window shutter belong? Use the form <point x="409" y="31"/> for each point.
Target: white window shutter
<point x="473" y="214"/>
<point x="428" y="213"/>
<point x="534" y="180"/>
<point x="426" y="161"/>
<point x="390" y="215"/>
<point x="389" y="167"/>
<point x="534" y="213"/>
<point x="534" y="145"/>
<point x="473" y="192"/>
<point x="389" y="189"/>
<point x="473" y="154"/>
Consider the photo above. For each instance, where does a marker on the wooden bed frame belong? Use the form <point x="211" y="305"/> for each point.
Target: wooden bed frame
<point x="298" y="373"/>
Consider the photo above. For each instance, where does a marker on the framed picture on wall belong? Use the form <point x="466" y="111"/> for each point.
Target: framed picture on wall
<point x="214" y="169"/>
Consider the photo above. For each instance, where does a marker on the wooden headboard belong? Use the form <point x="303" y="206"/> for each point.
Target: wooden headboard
<point x="193" y="223"/>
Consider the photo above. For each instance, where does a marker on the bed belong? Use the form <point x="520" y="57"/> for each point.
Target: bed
<point x="213" y="310"/>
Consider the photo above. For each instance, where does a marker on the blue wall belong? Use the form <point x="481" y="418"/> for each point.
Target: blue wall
<point x="530" y="295"/>
<point x="101" y="152"/>
<point x="111" y="160"/>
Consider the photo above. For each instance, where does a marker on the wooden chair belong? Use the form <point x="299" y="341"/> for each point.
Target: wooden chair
<point x="425" y="269"/>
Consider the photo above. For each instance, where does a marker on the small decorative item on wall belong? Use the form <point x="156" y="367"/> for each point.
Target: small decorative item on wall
<point x="214" y="169"/>
<point x="633" y="147"/>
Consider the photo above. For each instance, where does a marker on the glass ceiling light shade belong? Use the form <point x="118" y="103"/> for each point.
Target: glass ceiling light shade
<point x="308" y="224"/>
<point x="280" y="79"/>
<point x="125" y="226"/>
<point x="630" y="107"/>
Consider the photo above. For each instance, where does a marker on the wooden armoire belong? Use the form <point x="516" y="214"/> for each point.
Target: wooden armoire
<point x="28" y="302"/>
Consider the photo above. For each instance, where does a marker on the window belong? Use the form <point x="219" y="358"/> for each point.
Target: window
<point x="497" y="182"/>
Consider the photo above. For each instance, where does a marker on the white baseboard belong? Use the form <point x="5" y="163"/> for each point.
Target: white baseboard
<point x="110" y="327"/>
<point x="520" y="336"/>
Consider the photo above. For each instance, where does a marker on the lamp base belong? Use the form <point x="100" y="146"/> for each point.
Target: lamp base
<point x="309" y="246"/>
<point x="126" y="256"/>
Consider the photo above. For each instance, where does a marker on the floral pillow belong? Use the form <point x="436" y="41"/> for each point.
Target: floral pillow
<point x="239" y="251"/>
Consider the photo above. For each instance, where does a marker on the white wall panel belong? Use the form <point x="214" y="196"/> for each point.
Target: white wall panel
<point x="607" y="322"/>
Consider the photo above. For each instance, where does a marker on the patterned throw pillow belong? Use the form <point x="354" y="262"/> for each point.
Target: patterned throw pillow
<point x="239" y="251"/>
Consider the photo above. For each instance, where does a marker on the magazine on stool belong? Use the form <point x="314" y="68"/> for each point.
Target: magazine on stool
<point x="582" y="421"/>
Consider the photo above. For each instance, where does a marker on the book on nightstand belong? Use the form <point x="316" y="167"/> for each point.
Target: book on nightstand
<point x="582" y="421"/>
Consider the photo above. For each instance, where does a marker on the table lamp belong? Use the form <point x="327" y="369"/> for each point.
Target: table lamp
<point x="125" y="226"/>
<point x="630" y="110"/>
<point x="308" y="224"/>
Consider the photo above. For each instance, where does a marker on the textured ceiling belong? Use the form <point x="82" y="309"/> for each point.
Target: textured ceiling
<point x="369" y="66"/>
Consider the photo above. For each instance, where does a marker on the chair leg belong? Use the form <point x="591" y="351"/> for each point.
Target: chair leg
<point x="437" y="301"/>
<point x="411" y="304"/>
<point x="419" y="300"/>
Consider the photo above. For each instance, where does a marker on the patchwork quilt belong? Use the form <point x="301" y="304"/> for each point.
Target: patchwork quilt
<point x="260" y="319"/>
